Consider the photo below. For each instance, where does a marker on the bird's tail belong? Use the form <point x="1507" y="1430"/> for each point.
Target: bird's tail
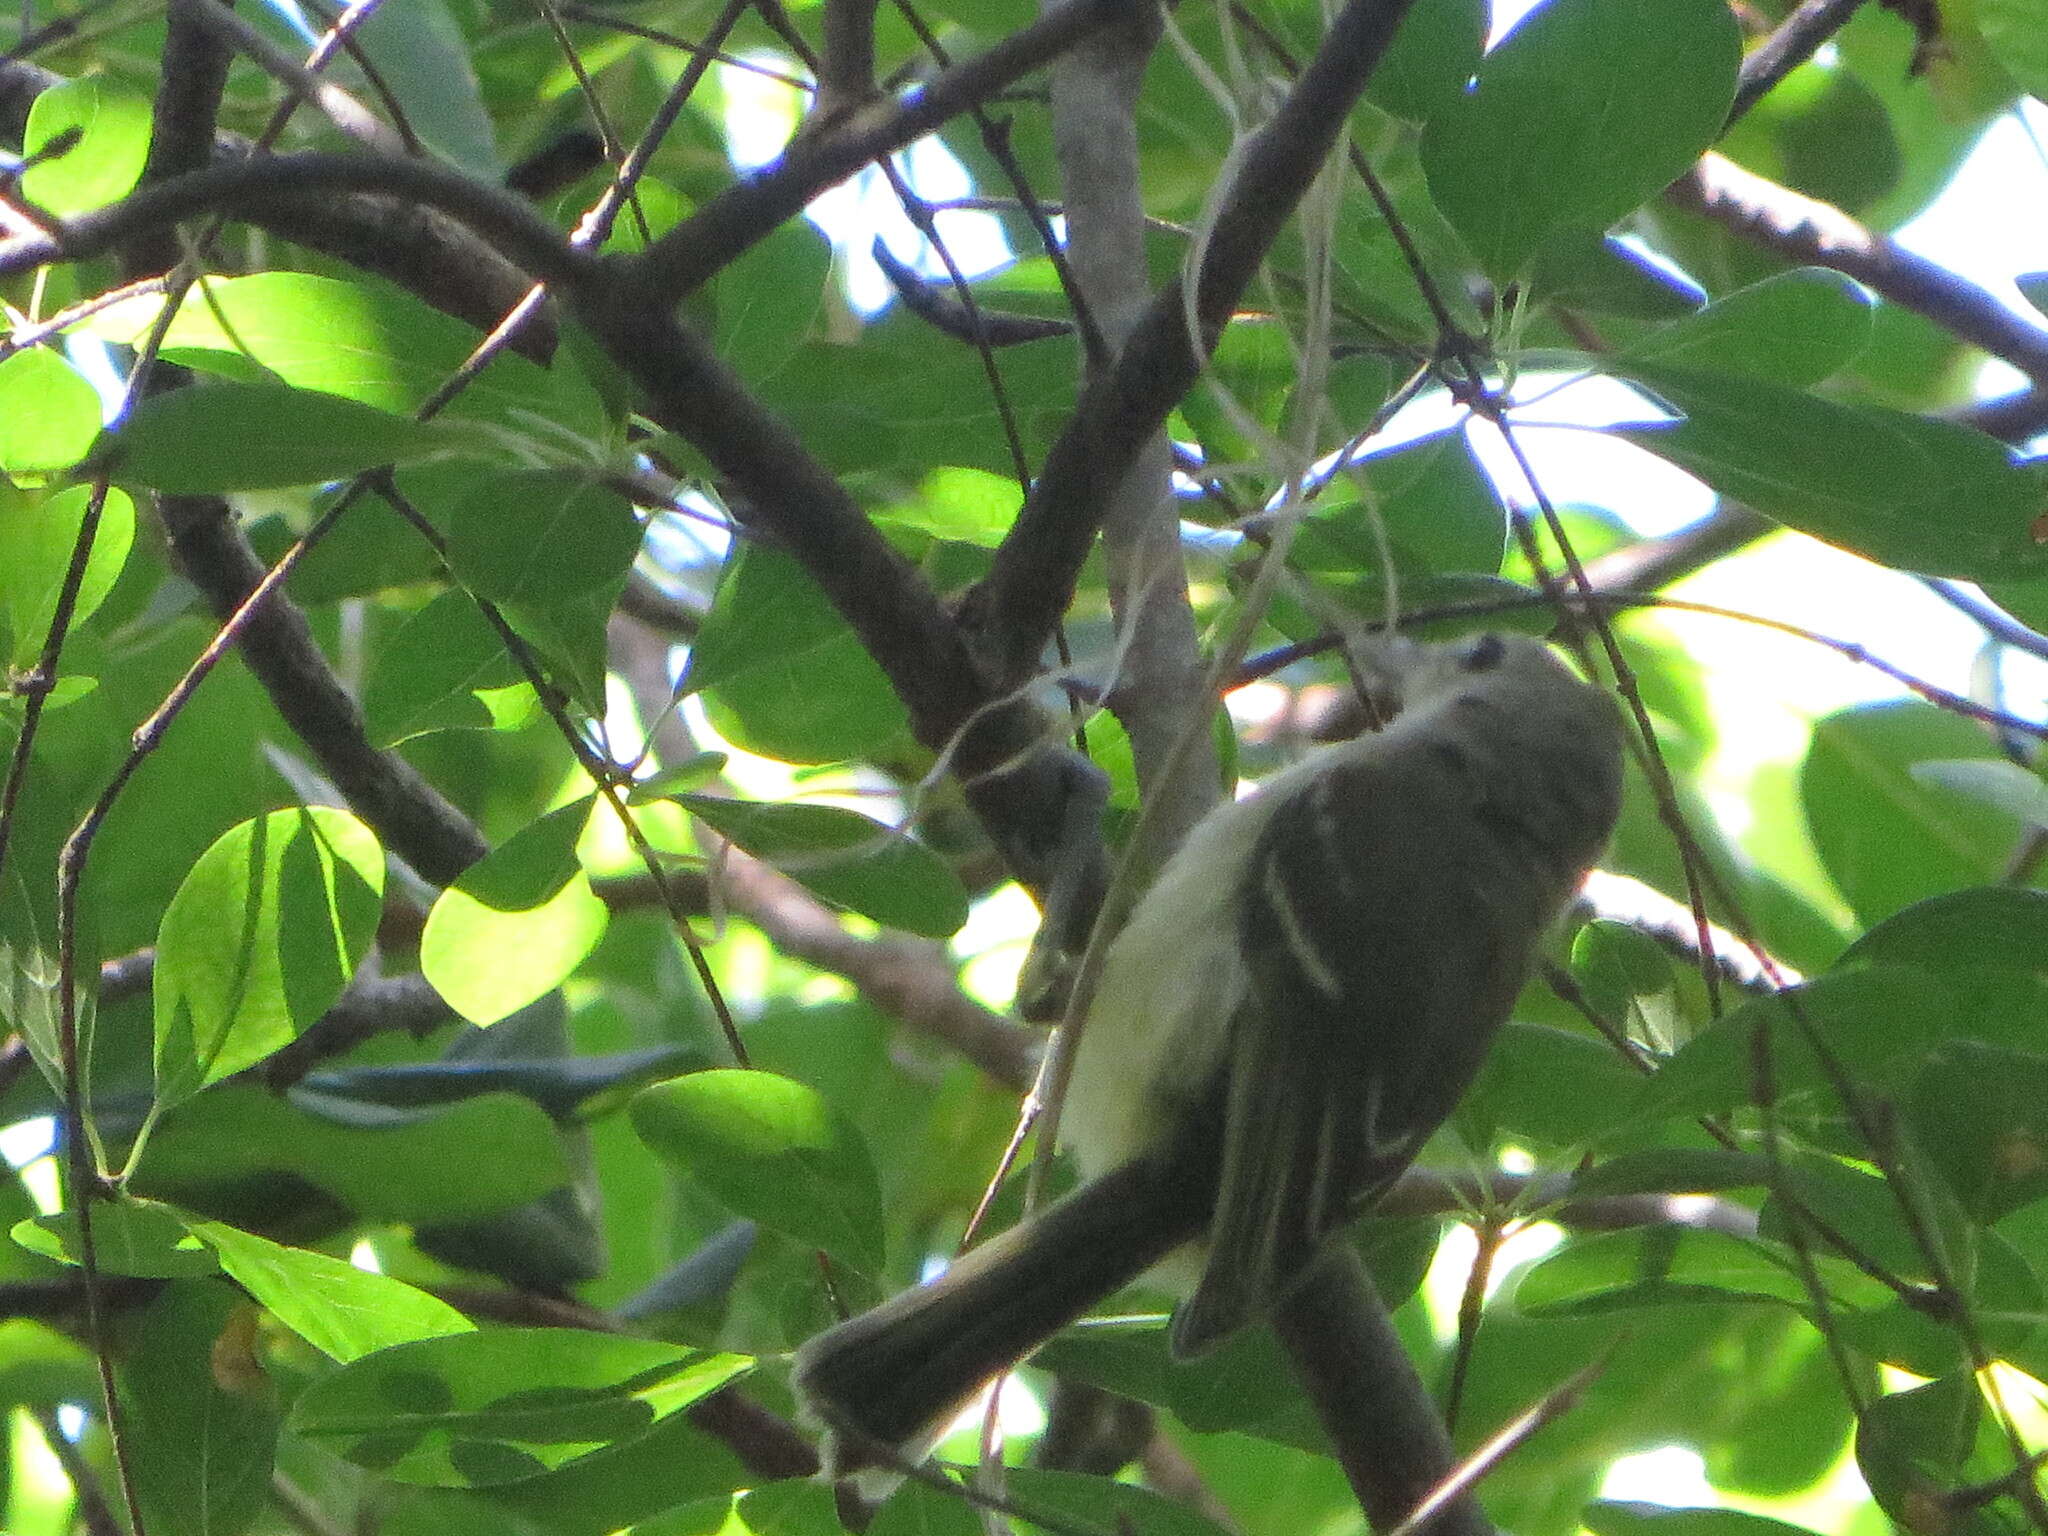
<point x="895" y="1376"/>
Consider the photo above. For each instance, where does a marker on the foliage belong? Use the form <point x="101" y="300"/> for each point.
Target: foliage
<point x="499" y="1053"/>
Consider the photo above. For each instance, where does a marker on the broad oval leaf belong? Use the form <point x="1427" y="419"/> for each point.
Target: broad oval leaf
<point x="476" y="1410"/>
<point x="104" y="164"/>
<point x="443" y="669"/>
<point x="342" y="1311"/>
<point x="129" y="1237"/>
<point x="773" y="1150"/>
<point x="1886" y="839"/>
<point x="231" y="435"/>
<point x="1607" y="1518"/>
<point x="537" y="536"/>
<point x="49" y="414"/>
<point x="461" y="1162"/>
<point x="1794" y="327"/>
<point x="1876" y="1024"/>
<point x="1904" y="490"/>
<point x="1992" y="926"/>
<point x="516" y="923"/>
<point x="849" y="859"/>
<point x="39" y="535"/>
<point x="1585" y="110"/>
<point x="259" y="941"/>
<point x="784" y="675"/>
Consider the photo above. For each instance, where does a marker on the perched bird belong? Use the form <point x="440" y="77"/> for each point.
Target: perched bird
<point x="1292" y="1010"/>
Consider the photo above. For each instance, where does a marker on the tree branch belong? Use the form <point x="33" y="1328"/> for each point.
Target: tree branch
<point x="1367" y="1396"/>
<point x="1804" y="230"/>
<point x="1158" y="691"/>
<point x="745" y="212"/>
<point x="411" y="818"/>
<point x="1015" y="610"/>
<point x="997" y="742"/>
<point x="420" y="249"/>
<point x="1797" y="38"/>
<point x="270" y="191"/>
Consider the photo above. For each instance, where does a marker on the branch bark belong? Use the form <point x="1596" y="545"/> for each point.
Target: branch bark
<point x="1015" y="610"/>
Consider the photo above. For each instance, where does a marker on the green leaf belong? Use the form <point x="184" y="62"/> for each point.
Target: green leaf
<point x="1980" y="1115"/>
<point x="200" y="1418"/>
<point x="1993" y="925"/>
<point x="1435" y="51"/>
<point x="773" y="1151"/>
<point x="445" y="668"/>
<point x="1616" y="965"/>
<point x="340" y="1310"/>
<point x="1795" y="328"/>
<point x="260" y="940"/>
<point x="770" y="299"/>
<point x="1903" y="490"/>
<point x="231" y="436"/>
<point x="2017" y="32"/>
<point x="1616" y="1519"/>
<point x="129" y="1237"/>
<point x="516" y="923"/>
<point x="477" y="1410"/>
<point x="106" y="161"/>
<point x="242" y="1147"/>
<point x="49" y="415"/>
<point x="1886" y="839"/>
<point x="1657" y="1266"/>
<point x="969" y="506"/>
<point x="1992" y="781"/>
<point x="847" y="858"/>
<point x="423" y="61"/>
<point x="536" y="536"/>
<point x="39" y="535"/>
<point x="1585" y="110"/>
<point x="363" y="339"/>
<point x="1553" y="1086"/>
<point x="1601" y="274"/>
<point x="1436" y="507"/>
<point x="1913" y="1446"/>
<point x="1874" y="1022"/>
<point x="784" y="675"/>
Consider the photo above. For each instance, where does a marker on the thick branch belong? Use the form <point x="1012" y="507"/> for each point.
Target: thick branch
<point x="747" y="211"/>
<point x="1368" y="1397"/>
<point x="423" y="251"/>
<point x="1804" y="230"/>
<point x="409" y="815"/>
<point x="1018" y="790"/>
<point x="1016" y="609"/>
<point x="1158" y="690"/>
<point x="272" y="191"/>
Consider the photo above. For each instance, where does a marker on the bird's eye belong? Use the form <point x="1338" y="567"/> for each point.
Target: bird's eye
<point x="1483" y="654"/>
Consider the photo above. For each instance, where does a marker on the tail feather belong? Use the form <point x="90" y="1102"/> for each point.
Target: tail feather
<point x="895" y="1375"/>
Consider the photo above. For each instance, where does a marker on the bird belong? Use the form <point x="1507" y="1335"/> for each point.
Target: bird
<point x="1294" y="1007"/>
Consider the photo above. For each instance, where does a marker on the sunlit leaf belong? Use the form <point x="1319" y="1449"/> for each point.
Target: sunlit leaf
<point x="773" y="1150"/>
<point x="514" y="926"/>
<point x="1587" y="108"/>
<point x="480" y="1409"/>
<point x="339" y="1309"/>
<point x="260" y="940"/>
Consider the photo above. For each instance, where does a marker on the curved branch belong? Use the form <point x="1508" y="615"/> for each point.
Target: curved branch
<point x="745" y="212"/>
<point x="1015" y="610"/>
<point x="268" y="192"/>
<point x="1805" y="230"/>
<point x="422" y="251"/>
<point x="1018" y="789"/>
